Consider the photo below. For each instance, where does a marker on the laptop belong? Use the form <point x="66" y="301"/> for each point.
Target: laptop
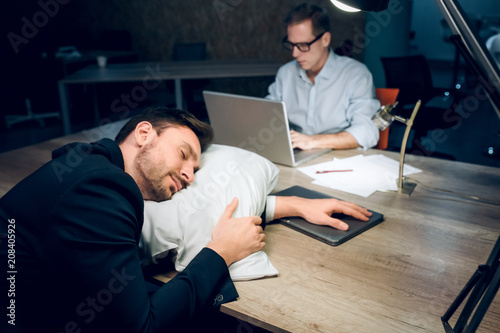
<point x="255" y="124"/>
<point x="326" y="234"/>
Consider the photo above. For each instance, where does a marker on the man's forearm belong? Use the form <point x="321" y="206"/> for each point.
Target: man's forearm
<point x="342" y="140"/>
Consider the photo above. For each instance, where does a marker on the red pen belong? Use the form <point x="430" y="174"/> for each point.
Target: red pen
<point x="327" y="171"/>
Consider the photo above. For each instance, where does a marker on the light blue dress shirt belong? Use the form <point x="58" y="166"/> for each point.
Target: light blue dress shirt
<point x="341" y="99"/>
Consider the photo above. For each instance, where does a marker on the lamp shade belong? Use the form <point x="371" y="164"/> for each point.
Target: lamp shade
<point x="366" y="5"/>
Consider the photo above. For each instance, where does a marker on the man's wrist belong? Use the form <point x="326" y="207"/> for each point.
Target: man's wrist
<point x="219" y="249"/>
<point x="287" y="206"/>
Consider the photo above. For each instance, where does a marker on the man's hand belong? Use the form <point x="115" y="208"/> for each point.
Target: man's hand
<point x="319" y="211"/>
<point x="302" y="141"/>
<point x="236" y="238"/>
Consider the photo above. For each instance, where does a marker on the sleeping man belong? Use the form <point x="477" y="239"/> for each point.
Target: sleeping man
<point x="76" y="265"/>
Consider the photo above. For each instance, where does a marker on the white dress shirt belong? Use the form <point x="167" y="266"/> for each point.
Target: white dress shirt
<point x="341" y="99"/>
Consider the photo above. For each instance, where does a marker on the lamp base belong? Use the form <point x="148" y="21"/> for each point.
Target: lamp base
<point x="407" y="188"/>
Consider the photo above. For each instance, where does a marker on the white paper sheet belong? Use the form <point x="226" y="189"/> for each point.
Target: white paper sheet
<point x="366" y="174"/>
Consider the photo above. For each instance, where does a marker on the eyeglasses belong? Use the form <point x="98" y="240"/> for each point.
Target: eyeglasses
<point x="303" y="47"/>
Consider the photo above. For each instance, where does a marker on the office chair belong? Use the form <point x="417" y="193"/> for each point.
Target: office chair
<point x="189" y="51"/>
<point x="191" y="89"/>
<point x="385" y="96"/>
<point x="412" y="75"/>
<point x="36" y="93"/>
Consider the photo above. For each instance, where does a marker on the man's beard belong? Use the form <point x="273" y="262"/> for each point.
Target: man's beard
<point x="152" y="177"/>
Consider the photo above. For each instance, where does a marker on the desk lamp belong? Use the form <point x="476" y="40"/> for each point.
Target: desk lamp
<point x="485" y="282"/>
<point x="382" y="119"/>
<point x="361" y="5"/>
<point x="385" y="115"/>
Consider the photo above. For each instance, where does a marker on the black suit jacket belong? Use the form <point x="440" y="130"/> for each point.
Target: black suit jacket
<point x="77" y="223"/>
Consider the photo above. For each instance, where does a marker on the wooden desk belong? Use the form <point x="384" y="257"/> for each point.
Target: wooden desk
<point x="150" y="74"/>
<point x="400" y="276"/>
<point x="89" y="57"/>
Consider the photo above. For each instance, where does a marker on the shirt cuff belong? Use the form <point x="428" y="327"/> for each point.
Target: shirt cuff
<point x="270" y="208"/>
<point x="365" y="136"/>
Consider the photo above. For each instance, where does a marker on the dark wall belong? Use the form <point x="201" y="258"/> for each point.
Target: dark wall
<point x="230" y="28"/>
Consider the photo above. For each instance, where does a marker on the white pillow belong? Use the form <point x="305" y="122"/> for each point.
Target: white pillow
<point x="185" y="222"/>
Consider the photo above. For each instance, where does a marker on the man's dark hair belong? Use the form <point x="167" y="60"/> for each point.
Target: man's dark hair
<point x="162" y="117"/>
<point x="318" y="16"/>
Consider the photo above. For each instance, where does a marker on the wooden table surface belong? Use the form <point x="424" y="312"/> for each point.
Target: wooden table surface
<point x="16" y="164"/>
<point x="400" y="276"/>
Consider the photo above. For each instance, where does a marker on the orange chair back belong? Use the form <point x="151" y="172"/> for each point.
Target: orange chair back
<point x="385" y="96"/>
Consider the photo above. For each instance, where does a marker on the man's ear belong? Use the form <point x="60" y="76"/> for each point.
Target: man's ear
<point x="326" y="39"/>
<point x="143" y="133"/>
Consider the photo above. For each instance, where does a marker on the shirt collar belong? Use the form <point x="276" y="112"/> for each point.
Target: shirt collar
<point x="328" y="68"/>
<point x="326" y="71"/>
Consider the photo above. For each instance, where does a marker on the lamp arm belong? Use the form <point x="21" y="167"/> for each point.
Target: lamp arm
<point x="409" y="124"/>
<point x="400" y="119"/>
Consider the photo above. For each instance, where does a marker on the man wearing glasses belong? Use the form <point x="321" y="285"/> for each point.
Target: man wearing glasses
<point x="330" y="99"/>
